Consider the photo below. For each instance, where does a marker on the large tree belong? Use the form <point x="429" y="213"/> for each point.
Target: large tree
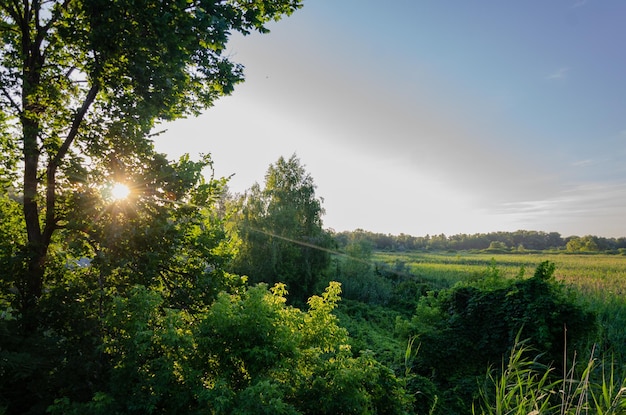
<point x="164" y="237"/>
<point x="280" y="226"/>
<point x="82" y="84"/>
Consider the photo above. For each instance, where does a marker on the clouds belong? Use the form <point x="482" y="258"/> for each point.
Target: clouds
<point x="432" y="122"/>
<point x="591" y="208"/>
<point x="559" y="74"/>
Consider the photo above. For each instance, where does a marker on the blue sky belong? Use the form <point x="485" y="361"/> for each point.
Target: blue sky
<point x="428" y="117"/>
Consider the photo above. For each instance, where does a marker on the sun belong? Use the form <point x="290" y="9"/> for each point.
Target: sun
<point x="119" y="191"/>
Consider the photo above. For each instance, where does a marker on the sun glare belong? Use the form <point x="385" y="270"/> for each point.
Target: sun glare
<point x="119" y="191"/>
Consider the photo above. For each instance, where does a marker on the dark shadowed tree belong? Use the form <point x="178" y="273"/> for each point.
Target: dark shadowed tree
<point x="82" y="83"/>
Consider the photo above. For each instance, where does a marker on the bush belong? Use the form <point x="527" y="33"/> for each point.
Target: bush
<point x="466" y="328"/>
<point x="248" y="353"/>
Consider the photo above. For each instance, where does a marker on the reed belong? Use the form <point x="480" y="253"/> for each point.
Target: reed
<point x="525" y="387"/>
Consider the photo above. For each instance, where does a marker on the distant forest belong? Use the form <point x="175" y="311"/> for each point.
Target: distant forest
<point x="518" y="241"/>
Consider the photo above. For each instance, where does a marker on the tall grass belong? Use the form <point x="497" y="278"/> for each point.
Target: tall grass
<point x="525" y="387"/>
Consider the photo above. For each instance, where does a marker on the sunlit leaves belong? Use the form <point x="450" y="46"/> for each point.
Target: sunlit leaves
<point x="248" y="353"/>
<point x="83" y="83"/>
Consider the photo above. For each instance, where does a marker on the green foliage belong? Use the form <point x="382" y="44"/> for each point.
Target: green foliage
<point x="481" y="320"/>
<point x="371" y="327"/>
<point x="83" y="84"/>
<point x="524" y="386"/>
<point x="497" y="246"/>
<point x="527" y="387"/>
<point x="360" y="281"/>
<point x="125" y="306"/>
<point x="280" y="231"/>
<point x="165" y="237"/>
<point x="12" y="241"/>
<point x="585" y="244"/>
<point x="248" y="353"/>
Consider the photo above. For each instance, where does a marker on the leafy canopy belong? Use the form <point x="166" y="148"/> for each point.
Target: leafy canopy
<point x="280" y="230"/>
<point x="83" y="83"/>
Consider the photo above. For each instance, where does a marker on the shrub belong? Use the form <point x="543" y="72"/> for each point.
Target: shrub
<point x="466" y="328"/>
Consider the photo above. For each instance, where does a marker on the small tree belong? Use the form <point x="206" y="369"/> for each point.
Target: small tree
<point x="585" y="244"/>
<point x="280" y="226"/>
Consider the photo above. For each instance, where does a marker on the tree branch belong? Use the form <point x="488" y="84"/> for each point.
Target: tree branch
<point x="13" y="10"/>
<point x="78" y="119"/>
<point x="56" y="14"/>
<point x="12" y="102"/>
<point x="50" y="224"/>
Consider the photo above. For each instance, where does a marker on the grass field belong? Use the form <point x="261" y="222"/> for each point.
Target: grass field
<point x="599" y="279"/>
<point x="602" y="276"/>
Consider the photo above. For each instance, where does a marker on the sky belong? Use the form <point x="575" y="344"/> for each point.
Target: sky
<point x="433" y="116"/>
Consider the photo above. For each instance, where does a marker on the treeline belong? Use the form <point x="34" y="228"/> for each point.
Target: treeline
<point x="520" y="240"/>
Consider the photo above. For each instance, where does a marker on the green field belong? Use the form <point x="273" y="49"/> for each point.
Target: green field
<point x="598" y="279"/>
<point x="599" y="276"/>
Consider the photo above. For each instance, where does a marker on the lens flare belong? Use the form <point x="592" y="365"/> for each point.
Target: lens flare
<point x="119" y="191"/>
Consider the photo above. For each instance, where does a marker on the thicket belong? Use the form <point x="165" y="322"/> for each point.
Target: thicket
<point x="471" y="326"/>
<point x="247" y="354"/>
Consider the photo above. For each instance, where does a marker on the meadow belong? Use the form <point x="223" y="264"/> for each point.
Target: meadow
<point x="600" y="276"/>
<point x="598" y="281"/>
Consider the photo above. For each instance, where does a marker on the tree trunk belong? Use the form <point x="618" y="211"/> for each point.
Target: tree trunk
<point x="31" y="280"/>
<point x="36" y="249"/>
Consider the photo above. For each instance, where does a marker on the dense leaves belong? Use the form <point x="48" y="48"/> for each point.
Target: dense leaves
<point x="83" y="83"/>
<point x="280" y="228"/>
<point x="471" y="326"/>
<point x="248" y="354"/>
<point x="163" y="237"/>
<point x="358" y="276"/>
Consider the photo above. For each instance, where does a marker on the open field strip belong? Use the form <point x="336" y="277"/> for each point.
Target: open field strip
<point x="598" y="275"/>
<point x="599" y="279"/>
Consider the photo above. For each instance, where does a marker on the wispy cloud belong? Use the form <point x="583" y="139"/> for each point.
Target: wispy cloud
<point x="585" y="208"/>
<point x="579" y="3"/>
<point x="583" y="163"/>
<point x="560" y="73"/>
